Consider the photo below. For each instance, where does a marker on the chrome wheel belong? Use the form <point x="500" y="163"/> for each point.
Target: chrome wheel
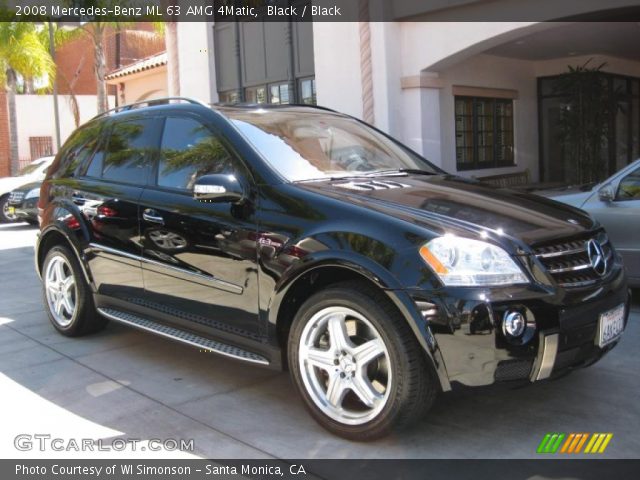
<point x="345" y="365"/>
<point x="5" y="211"/>
<point x="60" y="290"/>
<point x="167" y="240"/>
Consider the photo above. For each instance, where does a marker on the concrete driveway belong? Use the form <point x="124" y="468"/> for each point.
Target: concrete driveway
<point x="122" y="383"/>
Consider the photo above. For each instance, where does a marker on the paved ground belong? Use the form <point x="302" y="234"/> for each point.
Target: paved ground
<point x="123" y="383"/>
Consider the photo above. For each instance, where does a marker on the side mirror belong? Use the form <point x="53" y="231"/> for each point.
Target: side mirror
<point x="606" y="193"/>
<point x="218" y="188"/>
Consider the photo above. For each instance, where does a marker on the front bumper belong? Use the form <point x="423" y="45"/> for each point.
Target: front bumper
<point x="466" y="325"/>
<point x="26" y="209"/>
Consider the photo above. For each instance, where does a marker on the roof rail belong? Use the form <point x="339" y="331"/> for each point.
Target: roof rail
<point x="148" y="103"/>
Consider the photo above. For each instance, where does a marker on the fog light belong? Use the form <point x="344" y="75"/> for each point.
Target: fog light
<point x="513" y="323"/>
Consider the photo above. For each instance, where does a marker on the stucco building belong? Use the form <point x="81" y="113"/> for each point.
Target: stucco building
<point x="474" y="97"/>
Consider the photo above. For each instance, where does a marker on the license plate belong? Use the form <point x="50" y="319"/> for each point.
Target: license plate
<point x="610" y="325"/>
<point x="11" y="210"/>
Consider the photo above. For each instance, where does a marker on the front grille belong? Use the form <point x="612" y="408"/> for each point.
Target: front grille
<point x="16" y="197"/>
<point x="569" y="264"/>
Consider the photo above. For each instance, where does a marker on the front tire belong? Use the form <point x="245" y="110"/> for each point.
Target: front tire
<point x="5" y="217"/>
<point x="357" y="364"/>
<point x="67" y="297"/>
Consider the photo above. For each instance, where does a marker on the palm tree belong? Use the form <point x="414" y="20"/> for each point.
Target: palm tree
<point x="21" y="53"/>
<point x="99" y="32"/>
<point x="61" y="36"/>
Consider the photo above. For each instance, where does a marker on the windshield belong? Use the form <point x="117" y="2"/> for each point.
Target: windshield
<point x="318" y="145"/>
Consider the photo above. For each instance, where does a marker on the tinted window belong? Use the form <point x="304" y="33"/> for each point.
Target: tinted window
<point x="629" y="188"/>
<point x="80" y="150"/>
<point x="129" y="151"/>
<point x="188" y="151"/>
<point x="95" y="167"/>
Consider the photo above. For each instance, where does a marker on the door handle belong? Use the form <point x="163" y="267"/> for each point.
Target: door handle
<point x="151" y="216"/>
<point x="78" y="199"/>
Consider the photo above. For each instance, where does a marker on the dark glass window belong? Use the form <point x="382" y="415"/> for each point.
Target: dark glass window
<point x="128" y="157"/>
<point x="620" y="142"/>
<point x="95" y="167"/>
<point x="256" y="94"/>
<point x="484" y="132"/>
<point x="279" y="93"/>
<point x="78" y="149"/>
<point x="190" y="150"/>
<point x="230" y="96"/>
<point x="308" y="91"/>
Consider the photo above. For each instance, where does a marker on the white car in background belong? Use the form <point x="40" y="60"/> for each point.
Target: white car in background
<point x="34" y="172"/>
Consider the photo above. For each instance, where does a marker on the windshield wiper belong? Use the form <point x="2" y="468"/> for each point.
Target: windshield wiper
<point x="399" y="171"/>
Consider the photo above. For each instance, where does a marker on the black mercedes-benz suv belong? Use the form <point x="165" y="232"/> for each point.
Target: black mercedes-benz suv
<point x="297" y="236"/>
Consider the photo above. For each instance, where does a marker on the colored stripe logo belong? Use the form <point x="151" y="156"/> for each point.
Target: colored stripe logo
<point x="574" y="443"/>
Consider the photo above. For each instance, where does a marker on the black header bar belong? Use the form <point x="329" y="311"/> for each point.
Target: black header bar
<point x="319" y="10"/>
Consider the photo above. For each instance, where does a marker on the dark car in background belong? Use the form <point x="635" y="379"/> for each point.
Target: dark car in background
<point x="297" y="236"/>
<point x="22" y="203"/>
<point x="33" y="172"/>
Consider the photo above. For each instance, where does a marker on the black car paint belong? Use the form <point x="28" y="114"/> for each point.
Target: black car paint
<point x="242" y="264"/>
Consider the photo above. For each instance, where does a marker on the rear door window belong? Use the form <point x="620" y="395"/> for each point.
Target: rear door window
<point x="130" y="150"/>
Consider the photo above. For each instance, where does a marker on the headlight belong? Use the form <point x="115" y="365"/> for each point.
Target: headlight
<point x="34" y="192"/>
<point x="464" y="262"/>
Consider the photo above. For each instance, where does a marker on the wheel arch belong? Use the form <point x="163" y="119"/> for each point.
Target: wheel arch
<point x="299" y="287"/>
<point x="51" y="237"/>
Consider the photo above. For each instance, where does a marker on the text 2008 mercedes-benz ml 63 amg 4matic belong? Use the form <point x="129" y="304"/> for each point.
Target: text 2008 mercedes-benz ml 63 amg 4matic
<point x="297" y="236"/>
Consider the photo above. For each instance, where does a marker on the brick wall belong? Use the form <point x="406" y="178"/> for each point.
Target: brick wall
<point x="74" y="62"/>
<point x="75" y="59"/>
<point x="5" y="159"/>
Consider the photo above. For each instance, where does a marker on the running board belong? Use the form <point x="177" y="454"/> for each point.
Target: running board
<point x="182" y="336"/>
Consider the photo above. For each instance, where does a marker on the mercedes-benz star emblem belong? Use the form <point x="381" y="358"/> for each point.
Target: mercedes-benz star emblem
<point x="597" y="257"/>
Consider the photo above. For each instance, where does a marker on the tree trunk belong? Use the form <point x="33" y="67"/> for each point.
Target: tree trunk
<point x="29" y="86"/>
<point x="171" y="43"/>
<point x="13" y="121"/>
<point x="100" y="69"/>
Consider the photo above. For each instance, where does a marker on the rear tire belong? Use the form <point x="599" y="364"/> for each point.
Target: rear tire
<point x="67" y="297"/>
<point x="372" y="377"/>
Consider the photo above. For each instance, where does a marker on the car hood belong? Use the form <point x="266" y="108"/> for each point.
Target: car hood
<point x="11" y="183"/>
<point x="446" y="203"/>
<point x="28" y="186"/>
